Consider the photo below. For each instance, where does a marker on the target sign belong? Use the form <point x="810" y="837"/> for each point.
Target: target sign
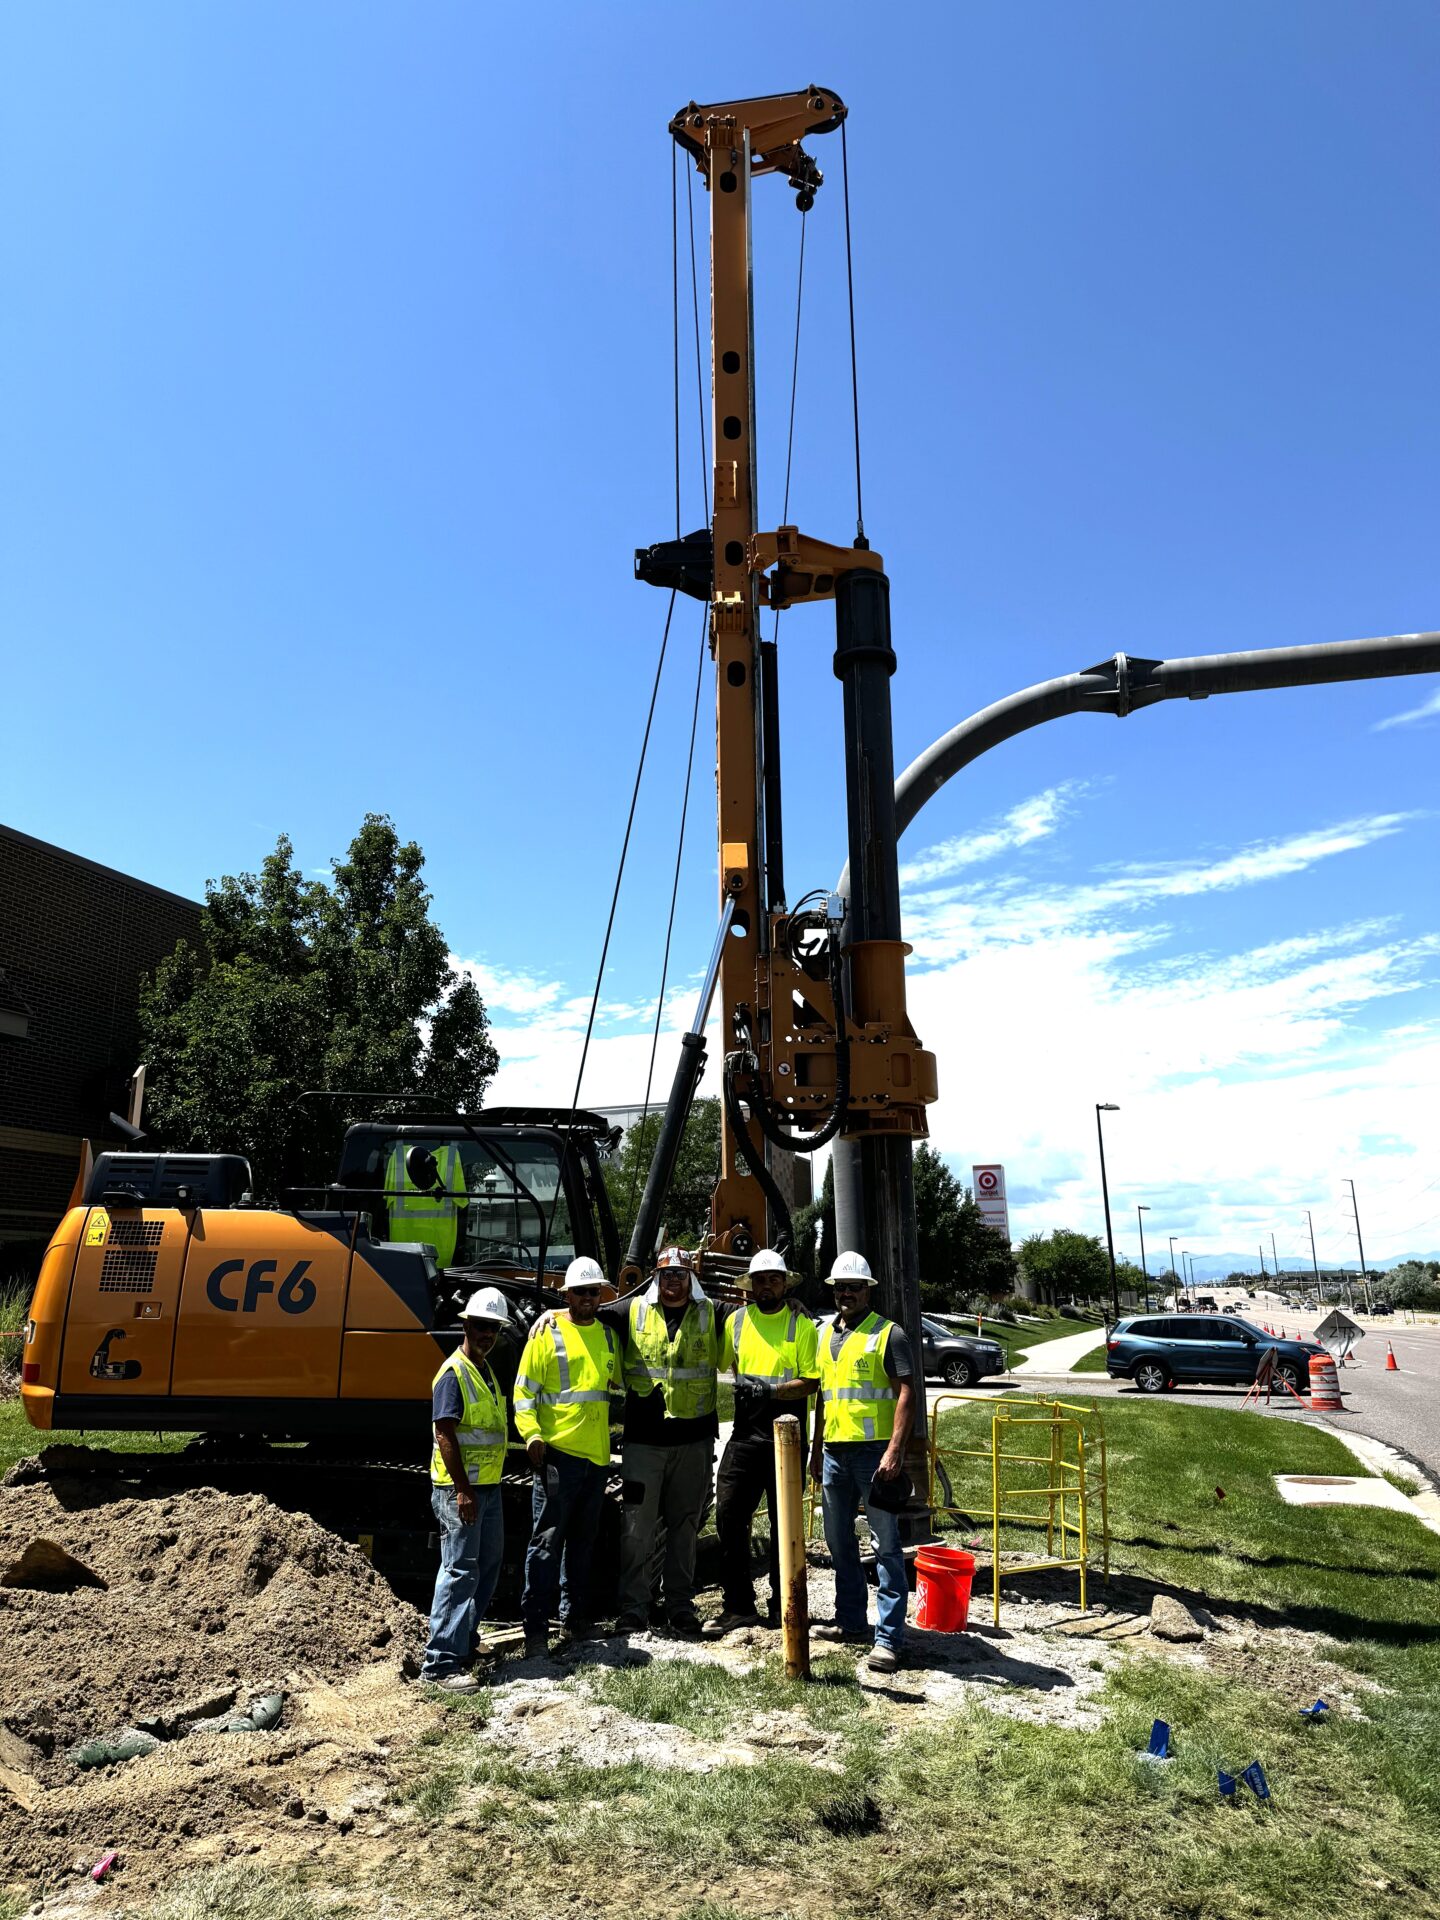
<point x="989" y="1188"/>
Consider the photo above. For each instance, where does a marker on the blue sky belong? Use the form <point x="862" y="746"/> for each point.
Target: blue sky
<point x="338" y="344"/>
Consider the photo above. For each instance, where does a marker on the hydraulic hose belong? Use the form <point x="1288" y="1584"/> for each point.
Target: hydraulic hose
<point x="754" y="1160"/>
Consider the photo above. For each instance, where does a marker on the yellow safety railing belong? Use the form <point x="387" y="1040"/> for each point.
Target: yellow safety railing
<point x="1075" y="1468"/>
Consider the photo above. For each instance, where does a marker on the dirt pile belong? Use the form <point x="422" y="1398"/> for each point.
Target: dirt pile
<point x="163" y="1609"/>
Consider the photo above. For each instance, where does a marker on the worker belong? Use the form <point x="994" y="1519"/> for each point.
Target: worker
<point x="668" y="1457"/>
<point x="570" y="1367"/>
<point x="862" y="1422"/>
<point x="771" y="1345"/>
<point x="467" y="1405"/>
<point x="428" y="1213"/>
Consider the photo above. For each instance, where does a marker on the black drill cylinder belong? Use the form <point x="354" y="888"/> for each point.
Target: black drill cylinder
<point x="875" y="1182"/>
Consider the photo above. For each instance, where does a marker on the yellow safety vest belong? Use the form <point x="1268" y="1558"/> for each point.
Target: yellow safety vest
<point x="683" y="1368"/>
<point x="481" y="1429"/>
<point x="770" y="1349"/>
<point x="858" y="1397"/>
<point x="422" y="1216"/>
<point x="563" y="1388"/>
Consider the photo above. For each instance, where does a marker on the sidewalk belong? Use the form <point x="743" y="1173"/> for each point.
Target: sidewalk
<point x="1059" y="1356"/>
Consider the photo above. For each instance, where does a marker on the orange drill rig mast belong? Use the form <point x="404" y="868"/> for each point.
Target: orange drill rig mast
<point x="815" y="1029"/>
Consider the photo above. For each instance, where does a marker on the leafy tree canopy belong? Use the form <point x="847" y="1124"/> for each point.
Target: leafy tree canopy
<point x="959" y="1255"/>
<point x="303" y="983"/>
<point x="697" y="1168"/>
<point x="1066" y="1265"/>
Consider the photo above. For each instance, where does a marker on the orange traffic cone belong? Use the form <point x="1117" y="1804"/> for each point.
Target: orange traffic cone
<point x="1390" y="1364"/>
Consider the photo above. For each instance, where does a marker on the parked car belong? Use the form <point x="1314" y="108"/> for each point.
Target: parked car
<point x="1380" y="1309"/>
<point x="1158" y="1352"/>
<point x="958" y="1359"/>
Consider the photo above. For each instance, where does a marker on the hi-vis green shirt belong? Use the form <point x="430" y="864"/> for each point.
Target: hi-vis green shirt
<point x="563" y="1388"/>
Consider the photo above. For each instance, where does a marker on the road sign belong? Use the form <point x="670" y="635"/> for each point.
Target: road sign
<point x="988" y="1185"/>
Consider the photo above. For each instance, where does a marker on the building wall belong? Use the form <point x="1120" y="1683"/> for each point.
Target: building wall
<point x="75" y="939"/>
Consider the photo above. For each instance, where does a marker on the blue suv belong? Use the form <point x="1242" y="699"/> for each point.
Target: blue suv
<point x="1158" y="1352"/>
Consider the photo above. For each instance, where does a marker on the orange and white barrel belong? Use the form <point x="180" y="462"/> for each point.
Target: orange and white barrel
<point x="1324" y="1385"/>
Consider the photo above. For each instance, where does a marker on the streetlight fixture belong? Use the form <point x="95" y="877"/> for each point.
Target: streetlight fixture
<point x="1107" y="1106"/>
<point x="1144" y="1266"/>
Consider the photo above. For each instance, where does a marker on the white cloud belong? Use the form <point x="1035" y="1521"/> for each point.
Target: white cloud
<point x="1428" y="710"/>
<point x="1033" y="819"/>
<point x="1249" y="1082"/>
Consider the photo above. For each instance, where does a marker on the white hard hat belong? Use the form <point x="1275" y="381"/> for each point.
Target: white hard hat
<point x="850" y="1266"/>
<point x="768" y="1261"/>
<point x="584" y="1272"/>
<point x="487" y="1304"/>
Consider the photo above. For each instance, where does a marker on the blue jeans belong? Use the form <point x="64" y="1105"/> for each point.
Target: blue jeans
<point x="465" y="1585"/>
<point x="565" y="1505"/>
<point x="849" y="1469"/>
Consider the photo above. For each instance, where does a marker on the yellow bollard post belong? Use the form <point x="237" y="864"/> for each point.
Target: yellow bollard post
<point x="789" y="1520"/>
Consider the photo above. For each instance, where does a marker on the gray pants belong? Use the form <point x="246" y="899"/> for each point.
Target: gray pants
<point x="666" y="1486"/>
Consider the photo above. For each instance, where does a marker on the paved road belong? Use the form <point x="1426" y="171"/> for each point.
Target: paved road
<point x="1402" y="1409"/>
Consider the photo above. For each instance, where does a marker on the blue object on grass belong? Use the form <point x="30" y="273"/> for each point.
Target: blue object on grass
<point x="1226" y="1782"/>
<point x="1254" y="1778"/>
<point x="1159" y="1747"/>
<point x="1314" y="1713"/>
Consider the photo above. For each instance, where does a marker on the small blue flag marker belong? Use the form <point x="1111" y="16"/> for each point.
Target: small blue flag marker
<point x="1159" y="1747"/>
<point x="1226" y="1782"/>
<point x="1254" y="1778"/>
<point x="1314" y="1713"/>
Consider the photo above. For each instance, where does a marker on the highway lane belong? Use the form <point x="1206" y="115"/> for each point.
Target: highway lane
<point x="1402" y="1408"/>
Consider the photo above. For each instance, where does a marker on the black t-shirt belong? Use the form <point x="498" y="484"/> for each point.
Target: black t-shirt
<point x="645" y="1420"/>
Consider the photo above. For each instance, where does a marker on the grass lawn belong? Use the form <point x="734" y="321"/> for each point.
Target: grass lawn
<point x="1091" y="1362"/>
<point x="1034" y="1334"/>
<point x="989" y="1815"/>
<point x="18" y="1438"/>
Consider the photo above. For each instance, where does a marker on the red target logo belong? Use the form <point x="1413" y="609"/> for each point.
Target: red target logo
<point x="988" y="1181"/>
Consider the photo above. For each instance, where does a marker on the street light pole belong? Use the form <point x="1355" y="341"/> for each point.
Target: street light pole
<point x="1274" y="1257"/>
<point x="1174" y="1270"/>
<point x="1107" y="1106"/>
<point x="1144" y="1264"/>
<point x="1189" y="1275"/>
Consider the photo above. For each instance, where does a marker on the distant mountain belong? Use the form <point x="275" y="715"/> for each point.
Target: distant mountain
<point x="1210" y="1268"/>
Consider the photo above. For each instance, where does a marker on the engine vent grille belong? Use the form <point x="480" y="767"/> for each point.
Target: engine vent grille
<point x="128" y="1270"/>
<point x="136" y="1233"/>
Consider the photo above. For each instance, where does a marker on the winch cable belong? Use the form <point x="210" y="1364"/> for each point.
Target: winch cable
<point x="860" y="539"/>
<point x="674" y="896"/>
<point x="664" y="642"/>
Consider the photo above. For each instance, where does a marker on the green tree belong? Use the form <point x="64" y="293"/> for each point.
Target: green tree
<point x="1413" y="1283"/>
<point x="815" y="1244"/>
<point x="1066" y="1265"/>
<point x="959" y="1255"/>
<point x="697" y="1168"/>
<point x="298" y="984"/>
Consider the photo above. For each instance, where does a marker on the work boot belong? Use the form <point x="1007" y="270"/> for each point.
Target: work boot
<point x="456" y="1682"/>
<point x="883" y="1660"/>
<point x="847" y="1636"/>
<point x="685" y="1623"/>
<point x="631" y="1623"/>
<point x="731" y="1621"/>
<point x="575" y="1629"/>
<point x="537" y="1643"/>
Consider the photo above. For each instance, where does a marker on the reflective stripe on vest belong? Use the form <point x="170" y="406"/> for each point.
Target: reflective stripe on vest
<point x="574" y="1419"/>
<point x="481" y="1428"/>
<point x="758" y="1366"/>
<point x="859" y="1399"/>
<point x="683" y="1367"/>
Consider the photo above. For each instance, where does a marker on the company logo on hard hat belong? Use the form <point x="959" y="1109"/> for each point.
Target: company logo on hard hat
<point x="767" y="1260"/>
<point x="583" y="1272"/>
<point x="488" y="1304"/>
<point x="850" y="1266"/>
<point x="676" y="1257"/>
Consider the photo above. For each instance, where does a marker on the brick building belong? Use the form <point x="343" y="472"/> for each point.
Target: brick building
<point x="75" y="939"/>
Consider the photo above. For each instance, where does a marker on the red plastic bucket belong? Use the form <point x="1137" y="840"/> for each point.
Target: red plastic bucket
<point x="942" y="1588"/>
